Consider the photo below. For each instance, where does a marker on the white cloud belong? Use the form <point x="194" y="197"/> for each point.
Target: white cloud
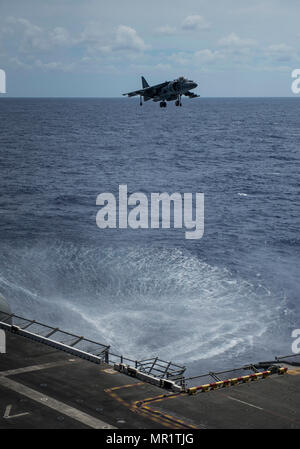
<point x="95" y="47"/>
<point x="165" y="30"/>
<point x="54" y="65"/>
<point x="17" y="63"/>
<point x="208" y="56"/>
<point x="180" y="58"/>
<point x="33" y="46"/>
<point x="147" y="68"/>
<point x="190" y="23"/>
<point x="128" y="39"/>
<point x="194" y="23"/>
<point x="30" y="37"/>
<point x="60" y="36"/>
<point x="280" y="48"/>
<point x="281" y="53"/>
<point x="194" y="59"/>
<point x="233" y="40"/>
<point x="123" y="39"/>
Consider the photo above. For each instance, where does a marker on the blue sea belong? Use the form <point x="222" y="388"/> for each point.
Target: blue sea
<point x="230" y="298"/>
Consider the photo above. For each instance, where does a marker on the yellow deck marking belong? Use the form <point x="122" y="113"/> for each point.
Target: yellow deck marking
<point x="109" y="371"/>
<point x="127" y="386"/>
<point x="294" y="372"/>
<point x="141" y="408"/>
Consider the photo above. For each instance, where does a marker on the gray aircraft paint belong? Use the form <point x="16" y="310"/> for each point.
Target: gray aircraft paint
<point x="167" y="91"/>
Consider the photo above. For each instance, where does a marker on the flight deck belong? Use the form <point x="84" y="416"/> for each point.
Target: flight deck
<point x="45" y="387"/>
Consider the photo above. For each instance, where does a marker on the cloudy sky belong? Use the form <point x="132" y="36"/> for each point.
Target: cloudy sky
<point x="98" y="48"/>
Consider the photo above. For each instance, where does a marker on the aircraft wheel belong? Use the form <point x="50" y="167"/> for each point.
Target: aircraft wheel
<point x="165" y="104"/>
<point x="161" y="104"/>
<point x="177" y="103"/>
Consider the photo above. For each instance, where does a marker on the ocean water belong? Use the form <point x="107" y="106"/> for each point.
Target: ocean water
<point x="229" y="298"/>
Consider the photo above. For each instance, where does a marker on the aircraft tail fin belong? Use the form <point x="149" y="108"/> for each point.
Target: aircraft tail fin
<point x="144" y="83"/>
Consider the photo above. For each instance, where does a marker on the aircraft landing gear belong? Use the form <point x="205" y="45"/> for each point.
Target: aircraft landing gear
<point x="178" y="102"/>
<point x="163" y="104"/>
<point x="141" y="102"/>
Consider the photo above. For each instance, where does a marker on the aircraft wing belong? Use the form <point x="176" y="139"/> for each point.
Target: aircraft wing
<point x="191" y="95"/>
<point x="150" y="91"/>
<point x="136" y="92"/>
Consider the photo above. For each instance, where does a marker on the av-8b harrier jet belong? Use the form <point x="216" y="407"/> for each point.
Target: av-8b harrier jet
<point x="167" y="91"/>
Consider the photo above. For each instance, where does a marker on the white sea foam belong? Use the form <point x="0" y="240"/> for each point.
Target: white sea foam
<point x="142" y="301"/>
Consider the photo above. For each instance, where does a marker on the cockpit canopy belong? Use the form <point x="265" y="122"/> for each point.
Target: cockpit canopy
<point x="177" y="84"/>
<point x="182" y="79"/>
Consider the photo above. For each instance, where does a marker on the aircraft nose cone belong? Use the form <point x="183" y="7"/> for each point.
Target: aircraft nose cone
<point x="192" y="85"/>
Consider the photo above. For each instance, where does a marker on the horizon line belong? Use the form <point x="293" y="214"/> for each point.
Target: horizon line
<point x="121" y="97"/>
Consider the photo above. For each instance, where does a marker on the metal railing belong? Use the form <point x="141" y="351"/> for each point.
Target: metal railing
<point x="162" y="369"/>
<point x="219" y="376"/>
<point x="88" y="349"/>
<point x="293" y="359"/>
<point x="100" y="353"/>
<point x="245" y="370"/>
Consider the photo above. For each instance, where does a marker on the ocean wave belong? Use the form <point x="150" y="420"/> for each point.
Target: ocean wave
<point x="144" y="301"/>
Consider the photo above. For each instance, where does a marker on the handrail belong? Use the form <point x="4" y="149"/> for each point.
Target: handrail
<point x="99" y="353"/>
<point x="287" y="356"/>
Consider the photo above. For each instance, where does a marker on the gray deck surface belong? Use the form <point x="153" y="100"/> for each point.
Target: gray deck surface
<point x="45" y="388"/>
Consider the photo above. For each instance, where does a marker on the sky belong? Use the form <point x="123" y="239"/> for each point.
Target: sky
<point x="96" y="48"/>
